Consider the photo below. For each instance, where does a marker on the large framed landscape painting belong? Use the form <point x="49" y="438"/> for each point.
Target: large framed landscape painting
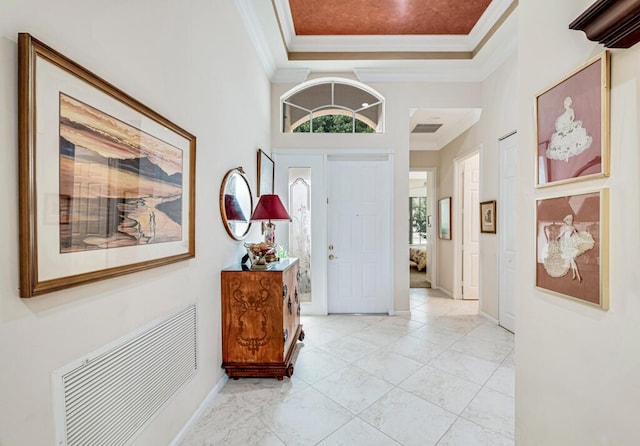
<point x="572" y="247"/>
<point x="106" y="184"/>
<point x="572" y="126"/>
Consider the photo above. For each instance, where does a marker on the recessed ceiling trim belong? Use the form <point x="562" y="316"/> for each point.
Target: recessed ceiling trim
<point x="485" y="26"/>
<point x="498" y="23"/>
<point x="397" y="55"/>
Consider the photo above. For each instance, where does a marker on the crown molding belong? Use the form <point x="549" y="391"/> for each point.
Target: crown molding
<point x="290" y="76"/>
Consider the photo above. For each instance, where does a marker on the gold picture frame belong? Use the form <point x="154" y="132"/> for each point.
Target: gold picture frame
<point x="117" y="178"/>
<point x="266" y="172"/>
<point x="572" y="125"/>
<point x="572" y="246"/>
<point x="488" y="217"/>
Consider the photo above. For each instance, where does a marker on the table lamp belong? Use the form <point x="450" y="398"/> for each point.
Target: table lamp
<point x="270" y="208"/>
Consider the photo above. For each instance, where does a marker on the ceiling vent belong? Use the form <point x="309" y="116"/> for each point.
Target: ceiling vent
<point x="426" y="128"/>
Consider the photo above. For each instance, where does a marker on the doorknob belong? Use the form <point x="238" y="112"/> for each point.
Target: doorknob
<point x="331" y="257"/>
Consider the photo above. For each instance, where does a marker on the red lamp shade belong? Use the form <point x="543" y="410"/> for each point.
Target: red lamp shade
<point x="233" y="209"/>
<point x="270" y="207"/>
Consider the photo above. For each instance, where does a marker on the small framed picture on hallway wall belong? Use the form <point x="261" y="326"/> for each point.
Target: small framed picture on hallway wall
<point x="488" y="217"/>
<point x="572" y="126"/>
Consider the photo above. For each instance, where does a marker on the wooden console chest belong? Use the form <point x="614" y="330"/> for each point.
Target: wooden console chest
<point x="260" y="320"/>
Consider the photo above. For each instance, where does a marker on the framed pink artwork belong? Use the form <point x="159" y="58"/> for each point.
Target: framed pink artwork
<point x="572" y="126"/>
<point x="572" y="247"/>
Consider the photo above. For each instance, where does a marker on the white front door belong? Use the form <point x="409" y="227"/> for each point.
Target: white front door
<point x="359" y="237"/>
<point x="471" y="229"/>
<point x="506" y="232"/>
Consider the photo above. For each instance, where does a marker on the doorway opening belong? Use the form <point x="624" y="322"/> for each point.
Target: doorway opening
<point x="422" y="218"/>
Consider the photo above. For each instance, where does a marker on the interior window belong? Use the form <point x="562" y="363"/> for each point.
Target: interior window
<point x="332" y="106"/>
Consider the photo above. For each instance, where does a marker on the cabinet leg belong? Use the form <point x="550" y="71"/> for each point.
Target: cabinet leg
<point x="279" y="378"/>
<point x="301" y="337"/>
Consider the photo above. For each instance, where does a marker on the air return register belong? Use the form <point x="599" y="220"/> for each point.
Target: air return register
<point x="109" y="396"/>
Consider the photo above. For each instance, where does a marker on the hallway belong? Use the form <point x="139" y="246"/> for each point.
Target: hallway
<point x="444" y="376"/>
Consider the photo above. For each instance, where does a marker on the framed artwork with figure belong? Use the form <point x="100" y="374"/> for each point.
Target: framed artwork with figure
<point x="572" y="126"/>
<point x="106" y="185"/>
<point x="488" y="217"/>
<point x="572" y="240"/>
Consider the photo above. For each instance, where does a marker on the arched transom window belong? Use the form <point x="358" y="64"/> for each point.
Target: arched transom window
<point x="332" y="105"/>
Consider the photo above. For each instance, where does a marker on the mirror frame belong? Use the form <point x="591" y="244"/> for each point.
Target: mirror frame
<point x="223" y="212"/>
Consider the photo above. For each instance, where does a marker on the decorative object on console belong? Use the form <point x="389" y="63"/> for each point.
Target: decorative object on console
<point x="262" y="255"/>
<point x="106" y="185"/>
<point x="572" y="247"/>
<point x="236" y="203"/>
<point x="266" y="173"/>
<point x="572" y="126"/>
<point x="260" y="320"/>
<point x="270" y="208"/>
<point x="613" y="23"/>
<point x="488" y="217"/>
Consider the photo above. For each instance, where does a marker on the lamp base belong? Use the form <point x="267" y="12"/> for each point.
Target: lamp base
<point x="269" y="230"/>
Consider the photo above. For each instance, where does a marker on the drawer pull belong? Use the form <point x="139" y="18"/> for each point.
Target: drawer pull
<point x="284" y="291"/>
<point x="286" y="335"/>
<point x="289" y="306"/>
<point x="295" y="295"/>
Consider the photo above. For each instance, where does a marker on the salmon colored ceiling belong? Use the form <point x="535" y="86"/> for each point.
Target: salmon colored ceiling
<point x="385" y="17"/>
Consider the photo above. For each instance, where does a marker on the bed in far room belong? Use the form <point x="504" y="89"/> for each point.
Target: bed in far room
<point x="418" y="267"/>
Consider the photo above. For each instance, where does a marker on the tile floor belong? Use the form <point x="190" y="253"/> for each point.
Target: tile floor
<point x="442" y="376"/>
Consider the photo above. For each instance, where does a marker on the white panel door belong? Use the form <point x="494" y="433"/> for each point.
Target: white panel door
<point x="471" y="229"/>
<point x="359" y="248"/>
<point x="506" y="231"/>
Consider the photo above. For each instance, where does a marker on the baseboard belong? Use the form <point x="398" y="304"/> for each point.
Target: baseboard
<point x="200" y="411"/>
<point x="486" y="316"/>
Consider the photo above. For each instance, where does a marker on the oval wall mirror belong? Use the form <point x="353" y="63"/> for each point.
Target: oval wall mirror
<point x="236" y="203"/>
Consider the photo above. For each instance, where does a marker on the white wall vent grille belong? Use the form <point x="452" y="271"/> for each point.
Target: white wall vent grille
<point x="110" y="396"/>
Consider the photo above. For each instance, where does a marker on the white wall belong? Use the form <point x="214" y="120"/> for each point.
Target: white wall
<point x="578" y="367"/>
<point x="499" y="117"/>
<point x="193" y="63"/>
<point x="400" y="97"/>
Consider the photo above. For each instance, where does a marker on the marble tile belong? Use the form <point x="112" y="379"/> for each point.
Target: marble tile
<point x="349" y="348"/>
<point x="509" y="361"/>
<point x="420" y="316"/>
<point x="348" y="324"/>
<point x="441" y="388"/>
<point x="309" y="321"/>
<point x="503" y="381"/>
<point x="389" y="366"/>
<point x="456" y="324"/>
<point x="491" y="332"/>
<point x="353" y="388"/>
<point x="399" y="324"/>
<point x="436" y="336"/>
<point x="260" y="391"/>
<point x="466" y="433"/>
<point x="241" y="433"/>
<point x="305" y="418"/>
<point x="495" y="351"/>
<point x="415" y="348"/>
<point x="357" y="432"/>
<point x="314" y="364"/>
<point x="465" y="366"/>
<point x="408" y="419"/>
<point x="379" y="336"/>
<point x="319" y="334"/>
<point x="492" y="410"/>
<point x="223" y="408"/>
